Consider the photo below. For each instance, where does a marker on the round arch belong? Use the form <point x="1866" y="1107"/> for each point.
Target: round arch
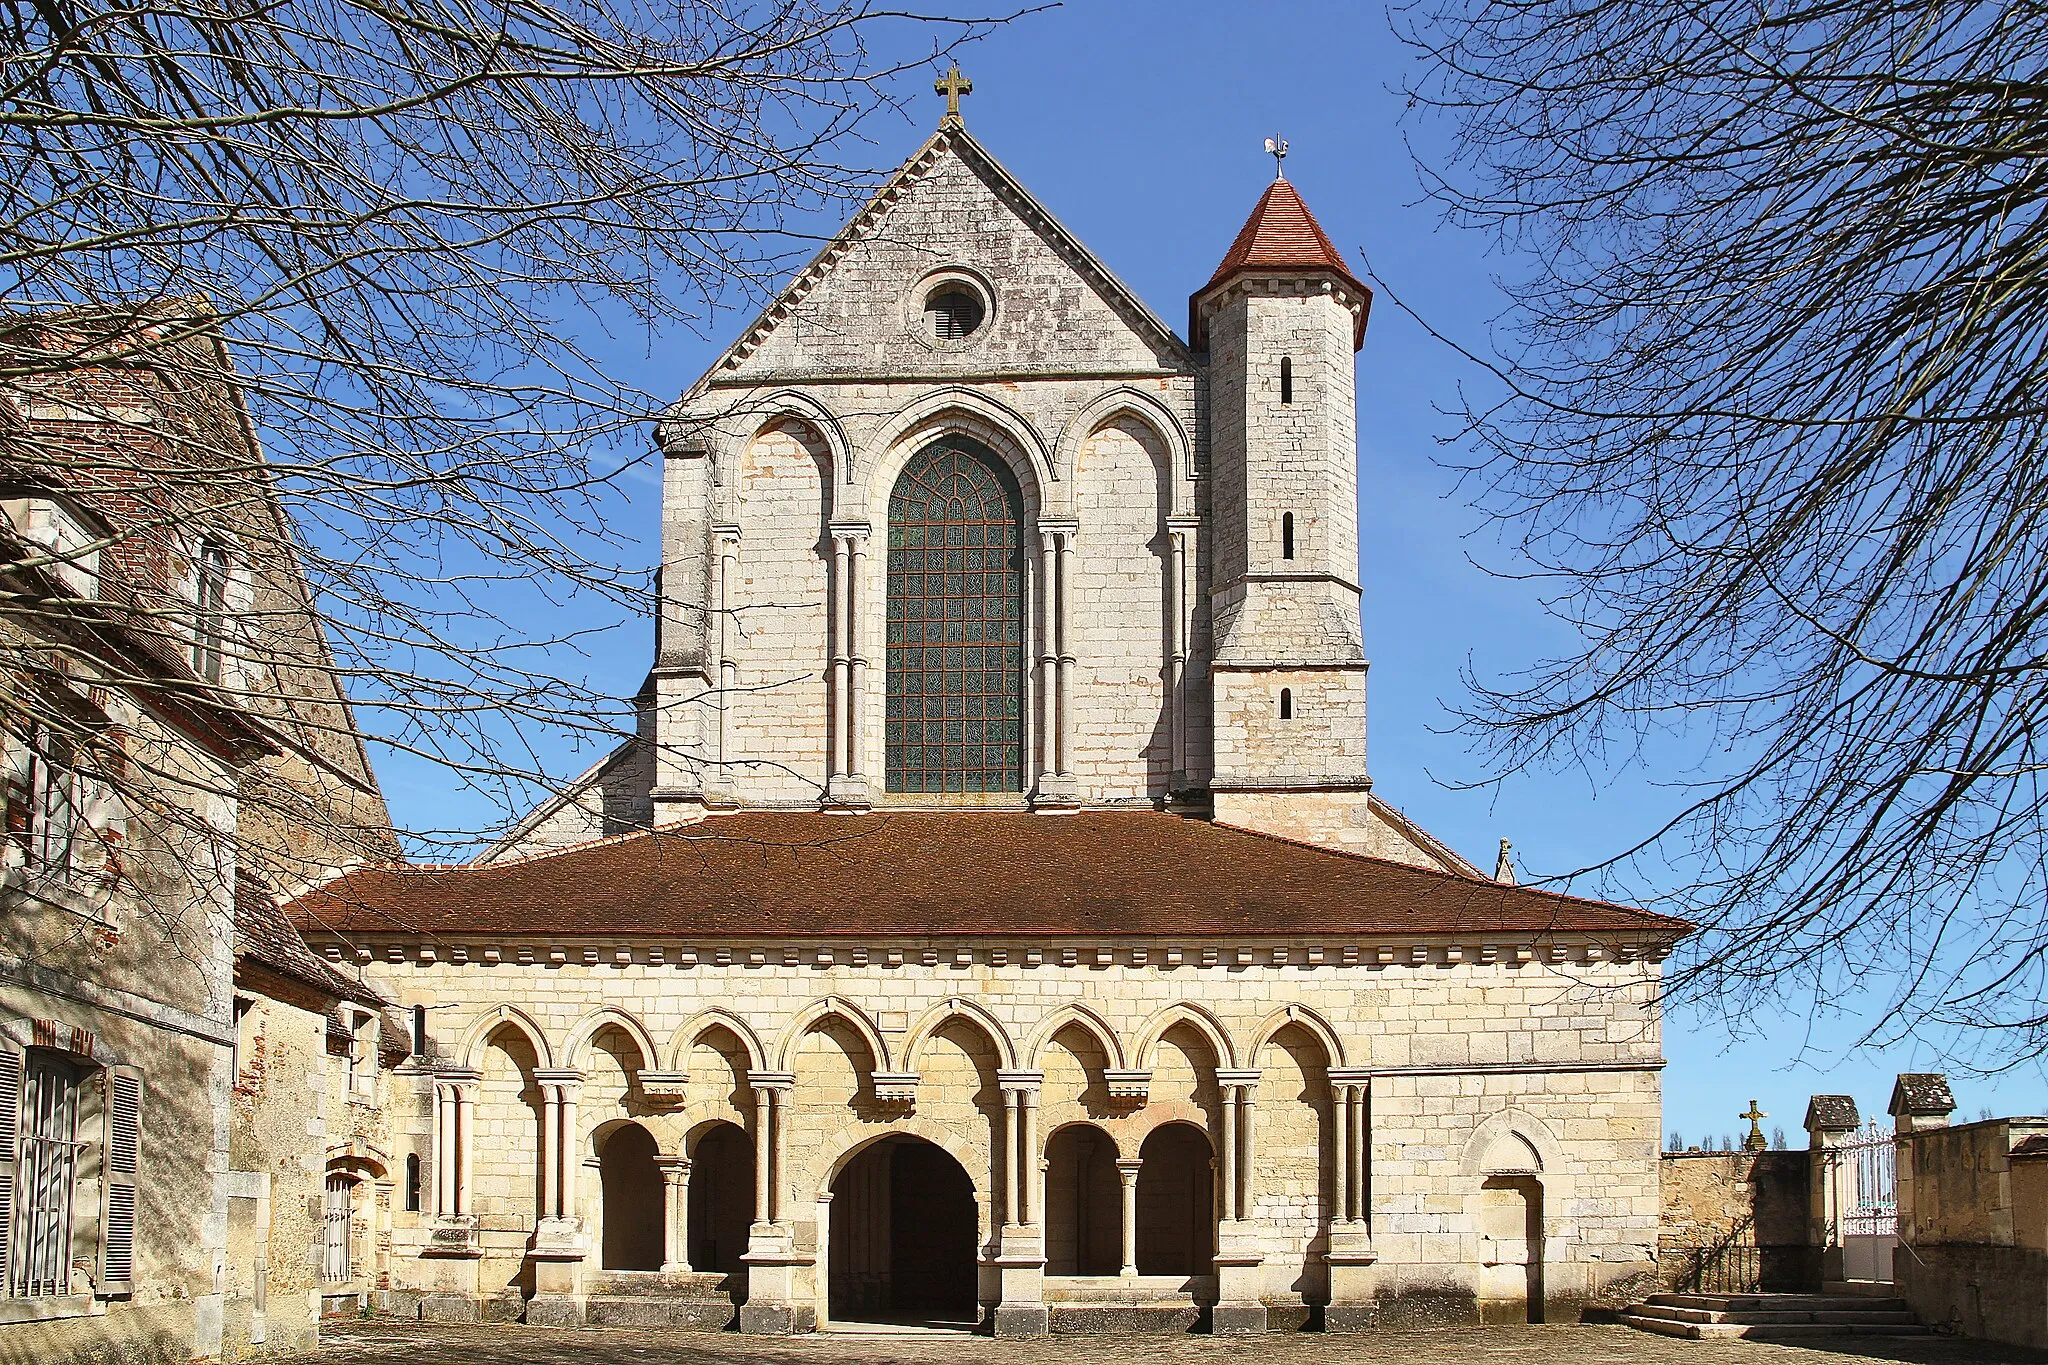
<point x="1145" y="409"/>
<point x="472" y="1046"/>
<point x="1088" y="1021"/>
<point x="683" y="1039"/>
<point x="609" y="1015"/>
<point x="958" y="1007"/>
<point x="1517" y="1123"/>
<point x="728" y="436"/>
<point x="1183" y="1012"/>
<point x="951" y="410"/>
<point x="1108" y="1130"/>
<point x="852" y="1139"/>
<point x="831" y="1005"/>
<point x="1306" y="1019"/>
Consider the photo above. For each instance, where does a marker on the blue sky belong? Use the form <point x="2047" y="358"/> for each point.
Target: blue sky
<point x="1140" y="124"/>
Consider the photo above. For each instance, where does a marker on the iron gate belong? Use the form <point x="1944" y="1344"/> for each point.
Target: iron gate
<point x="1870" y="1221"/>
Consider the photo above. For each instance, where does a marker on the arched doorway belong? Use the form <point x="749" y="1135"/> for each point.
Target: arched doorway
<point x="1176" y="1202"/>
<point x="1083" y="1203"/>
<point x="721" y="1200"/>
<point x="903" y="1236"/>
<point x="633" y="1201"/>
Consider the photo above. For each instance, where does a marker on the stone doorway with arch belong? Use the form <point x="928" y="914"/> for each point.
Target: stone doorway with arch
<point x="1511" y="1161"/>
<point x="902" y="1238"/>
<point x="721" y="1204"/>
<point x="1176" y="1202"/>
<point x="633" y="1199"/>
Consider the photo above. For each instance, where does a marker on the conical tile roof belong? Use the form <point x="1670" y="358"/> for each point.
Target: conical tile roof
<point x="1281" y="236"/>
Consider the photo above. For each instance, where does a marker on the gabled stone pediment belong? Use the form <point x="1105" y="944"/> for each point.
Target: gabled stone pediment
<point x="857" y="310"/>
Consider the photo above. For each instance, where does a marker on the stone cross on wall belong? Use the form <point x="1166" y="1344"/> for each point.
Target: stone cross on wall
<point x="953" y="85"/>
<point x="1755" y="1142"/>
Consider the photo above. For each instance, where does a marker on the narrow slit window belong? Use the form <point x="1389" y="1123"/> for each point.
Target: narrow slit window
<point x="419" y="1030"/>
<point x="412" y="1182"/>
<point x="1287" y="703"/>
<point x="1287" y="535"/>
<point x="1287" y="379"/>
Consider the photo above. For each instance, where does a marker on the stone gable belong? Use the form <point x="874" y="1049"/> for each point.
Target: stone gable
<point x="859" y="309"/>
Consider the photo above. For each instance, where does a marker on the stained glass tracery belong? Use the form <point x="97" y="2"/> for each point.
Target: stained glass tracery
<point x="955" y="719"/>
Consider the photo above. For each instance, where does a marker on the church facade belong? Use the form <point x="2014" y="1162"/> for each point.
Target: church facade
<point x="994" y="921"/>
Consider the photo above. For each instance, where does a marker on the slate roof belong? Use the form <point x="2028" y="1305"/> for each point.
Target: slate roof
<point x="1832" y="1112"/>
<point x="265" y="936"/>
<point x="1921" y="1093"/>
<point x="1281" y="235"/>
<point x="777" y="874"/>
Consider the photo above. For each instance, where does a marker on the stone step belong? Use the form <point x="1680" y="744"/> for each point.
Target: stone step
<point x="1768" y="1331"/>
<point x="1877" y="1317"/>
<point x="1776" y="1302"/>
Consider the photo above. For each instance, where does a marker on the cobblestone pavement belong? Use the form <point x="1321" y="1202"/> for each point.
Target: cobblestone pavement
<point x="392" y="1342"/>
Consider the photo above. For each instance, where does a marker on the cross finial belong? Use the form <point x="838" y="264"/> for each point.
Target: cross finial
<point x="953" y="85"/>
<point x="1276" y="147"/>
<point x="1755" y="1141"/>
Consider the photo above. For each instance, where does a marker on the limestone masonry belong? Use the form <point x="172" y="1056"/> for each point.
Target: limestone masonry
<point x="993" y="919"/>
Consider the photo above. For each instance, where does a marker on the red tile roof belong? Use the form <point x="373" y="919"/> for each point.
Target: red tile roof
<point x="1282" y="235"/>
<point x="1098" y="874"/>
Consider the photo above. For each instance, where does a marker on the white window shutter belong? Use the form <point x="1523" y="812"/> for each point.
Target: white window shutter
<point x="122" y="1163"/>
<point x="10" y="1147"/>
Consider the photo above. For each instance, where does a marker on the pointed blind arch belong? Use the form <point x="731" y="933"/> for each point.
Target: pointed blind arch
<point x="956" y="623"/>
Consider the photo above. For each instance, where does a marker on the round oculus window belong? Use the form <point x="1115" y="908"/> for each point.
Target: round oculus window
<point x="953" y="312"/>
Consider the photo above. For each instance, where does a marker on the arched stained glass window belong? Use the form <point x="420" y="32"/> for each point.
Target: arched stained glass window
<point x="956" y="623"/>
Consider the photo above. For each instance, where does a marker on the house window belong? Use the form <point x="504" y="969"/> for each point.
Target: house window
<point x="45" y="799"/>
<point x="956" y="624"/>
<point x="49" y="1115"/>
<point x="336" y="1253"/>
<point x="46" y="1175"/>
<point x="1287" y="379"/>
<point x="1287" y="535"/>
<point x="359" y="1051"/>
<point x="209" y="609"/>
<point x="1287" y="703"/>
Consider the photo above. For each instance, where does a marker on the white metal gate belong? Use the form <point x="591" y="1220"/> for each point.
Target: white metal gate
<point x="1870" y="1223"/>
<point x="335" y="1267"/>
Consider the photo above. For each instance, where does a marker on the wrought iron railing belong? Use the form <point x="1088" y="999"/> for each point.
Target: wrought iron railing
<point x="1731" y="1264"/>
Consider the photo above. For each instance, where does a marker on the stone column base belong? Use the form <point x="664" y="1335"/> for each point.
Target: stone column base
<point x="1238" y="1319"/>
<point x="1022" y="1320"/>
<point x="1056" y="794"/>
<point x="554" y="1310"/>
<point x="450" y="1308"/>
<point x="776" y="1319"/>
<point x="847" y="794"/>
<point x="1351" y="1317"/>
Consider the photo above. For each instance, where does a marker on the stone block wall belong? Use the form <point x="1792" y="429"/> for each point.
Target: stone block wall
<point x="1759" y="1199"/>
<point x="1973" y="1217"/>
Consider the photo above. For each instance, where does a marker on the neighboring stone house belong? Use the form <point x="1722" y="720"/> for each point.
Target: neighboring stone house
<point x="310" y="1190"/>
<point x="994" y="919"/>
<point x="173" y="731"/>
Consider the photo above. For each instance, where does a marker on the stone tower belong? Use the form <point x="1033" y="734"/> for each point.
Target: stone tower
<point x="1280" y="321"/>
